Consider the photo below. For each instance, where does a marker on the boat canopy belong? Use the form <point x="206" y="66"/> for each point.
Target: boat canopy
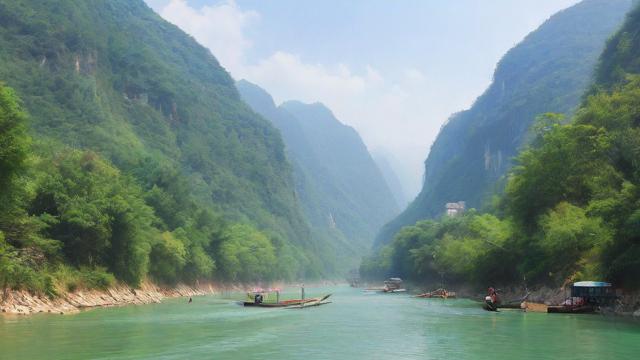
<point x="591" y="284"/>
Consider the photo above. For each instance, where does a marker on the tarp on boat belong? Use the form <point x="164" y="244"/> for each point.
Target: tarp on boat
<point x="591" y="284"/>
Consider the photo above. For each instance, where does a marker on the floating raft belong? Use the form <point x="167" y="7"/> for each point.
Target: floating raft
<point x="439" y="293"/>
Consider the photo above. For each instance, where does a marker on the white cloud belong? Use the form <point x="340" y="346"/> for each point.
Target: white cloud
<point x="388" y="112"/>
<point x="218" y="27"/>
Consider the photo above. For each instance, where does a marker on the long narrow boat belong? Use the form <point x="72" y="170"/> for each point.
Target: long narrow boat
<point x="571" y="309"/>
<point x="439" y="293"/>
<point x="311" y="304"/>
<point x="289" y="303"/>
<point x="489" y="306"/>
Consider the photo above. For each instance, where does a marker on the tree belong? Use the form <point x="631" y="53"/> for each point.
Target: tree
<point x="13" y="139"/>
<point x="246" y="254"/>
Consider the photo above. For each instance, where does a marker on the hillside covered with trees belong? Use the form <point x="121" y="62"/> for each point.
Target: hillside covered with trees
<point x="343" y="193"/>
<point x="547" y="72"/>
<point x="571" y="207"/>
<point x="128" y="154"/>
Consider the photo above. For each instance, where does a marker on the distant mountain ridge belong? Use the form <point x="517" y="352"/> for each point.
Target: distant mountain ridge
<point x="547" y="72"/>
<point x="391" y="177"/>
<point x="342" y="191"/>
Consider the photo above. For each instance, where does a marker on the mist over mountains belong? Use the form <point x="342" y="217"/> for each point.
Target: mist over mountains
<point x="343" y="193"/>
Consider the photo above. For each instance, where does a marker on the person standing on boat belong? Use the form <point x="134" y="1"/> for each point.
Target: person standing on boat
<point x="258" y="298"/>
<point x="493" y="294"/>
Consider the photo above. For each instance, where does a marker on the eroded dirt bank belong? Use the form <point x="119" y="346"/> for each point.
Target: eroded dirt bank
<point x="25" y="303"/>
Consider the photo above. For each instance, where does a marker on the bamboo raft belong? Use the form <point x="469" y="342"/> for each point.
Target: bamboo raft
<point x="439" y="293"/>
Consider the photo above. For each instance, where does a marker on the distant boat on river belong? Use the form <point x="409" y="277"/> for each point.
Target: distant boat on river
<point x="439" y="293"/>
<point x="391" y="285"/>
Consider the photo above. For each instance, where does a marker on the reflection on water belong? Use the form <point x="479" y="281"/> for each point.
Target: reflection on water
<point x="355" y="326"/>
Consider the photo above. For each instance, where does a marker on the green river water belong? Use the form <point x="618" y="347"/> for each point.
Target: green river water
<point x="355" y="325"/>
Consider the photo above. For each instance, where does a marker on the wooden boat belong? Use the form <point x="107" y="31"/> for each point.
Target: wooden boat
<point x="492" y="300"/>
<point x="514" y="303"/>
<point x="309" y="304"/>
<point x="394" y="290"/>
<point x="392" y="285"/>
<point x="289" y="303"/>
<point x="571" y="309"/>
<point x="439" y="293"/>
<point x="534" y="307"/>
<point x="490" y="306"/>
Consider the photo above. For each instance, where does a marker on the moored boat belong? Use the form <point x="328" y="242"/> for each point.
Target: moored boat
<point x="391" y="285"/>
<point x="571" y="309"/>
<point x="439" y="293"/>
<point x="586" y="297"/>
<point x="491" y="301"/>
<point x="258" y="300"/>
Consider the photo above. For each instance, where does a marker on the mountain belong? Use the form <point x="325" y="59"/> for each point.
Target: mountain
<point x="570" y="210"/>
<point x="114" y="78"/>
<point x="384" y="162"/>
<point x="342" y="191"/>
<point x="547" y="72"/>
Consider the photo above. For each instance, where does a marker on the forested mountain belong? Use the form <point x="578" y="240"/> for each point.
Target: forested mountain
<point x="571" y="207"/>
<point x="342" y="192"/>
<point x="547" y="72"/>
<point x="144" y="159"/>
<point x="363" y="193"/>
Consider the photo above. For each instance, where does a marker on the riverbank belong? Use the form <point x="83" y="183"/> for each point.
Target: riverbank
<point x="24" y="303"/>
<point x="628" y="303"/>
<point x="349" y="328"/>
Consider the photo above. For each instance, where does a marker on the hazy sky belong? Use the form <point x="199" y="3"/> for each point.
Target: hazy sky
<point x="395" y="69"/>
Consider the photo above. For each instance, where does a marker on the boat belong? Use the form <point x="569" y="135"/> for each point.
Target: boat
<point x="439" y="293"/>
<point x="586" y="297"/>
<point x="285" y="303"/>
<point x="394" y="290"/>
<point x="489" y="305"/>
<point x="514" y="303"/>
<point x="257" y="300"/>
<point x="571" y="309"/>
<point x="391" y="285"/>
<point x="318" y="302"/>
<point x="491" y="301"/>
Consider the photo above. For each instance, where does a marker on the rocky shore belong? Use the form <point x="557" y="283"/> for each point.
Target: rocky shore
<point x="25" y="303"/>
<point x="628" y="303"/>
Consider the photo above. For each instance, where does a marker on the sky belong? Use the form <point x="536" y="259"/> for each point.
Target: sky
<point x="395" y="70"/>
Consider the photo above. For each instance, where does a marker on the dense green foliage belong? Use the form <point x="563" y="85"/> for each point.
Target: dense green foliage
<point x="547" y="72"/>
<point x="81" y="222"/>
<point x="145" y="161"/>
<point x="570" y="209"/>
<point x="341" y="190"/>
<point x="13" y="141"/>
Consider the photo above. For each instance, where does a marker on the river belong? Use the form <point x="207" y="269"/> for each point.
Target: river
<point x="355" y="325"/>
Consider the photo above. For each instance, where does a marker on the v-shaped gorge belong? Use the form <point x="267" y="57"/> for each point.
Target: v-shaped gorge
<point x="341" y="189"/>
